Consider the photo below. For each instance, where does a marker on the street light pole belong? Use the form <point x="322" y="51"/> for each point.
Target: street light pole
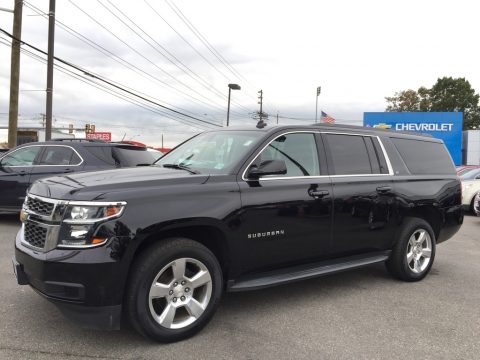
<point x="230" y="88"/>
<point x="319" y="90"/>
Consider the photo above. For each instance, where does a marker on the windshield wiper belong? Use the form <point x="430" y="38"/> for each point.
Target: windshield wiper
<point x="180" y="167"/>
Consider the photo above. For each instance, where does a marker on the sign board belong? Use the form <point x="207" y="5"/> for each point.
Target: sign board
<point x="446" y="126"/>
<point x="105" y="136"/>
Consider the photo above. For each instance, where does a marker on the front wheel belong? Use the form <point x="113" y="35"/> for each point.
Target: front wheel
<point x="413" y="255"/>
<point x="174" y="290"/>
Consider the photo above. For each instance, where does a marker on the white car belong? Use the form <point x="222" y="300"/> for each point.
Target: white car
<point x="470" y="188"/>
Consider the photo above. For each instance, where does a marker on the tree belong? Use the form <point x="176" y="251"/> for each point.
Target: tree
<point x="406" y="100"/>
<point x="448" y="94"/>
<point x="425" y="102"/>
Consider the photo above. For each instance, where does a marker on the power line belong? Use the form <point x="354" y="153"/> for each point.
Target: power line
<point x="184" y="68"/>
<point x="117" y="58"/>
<point x="110" y="83"/>
<point x="144" y="57"/>
<point x="204" y="41"/>
<point x="210" y="47"/>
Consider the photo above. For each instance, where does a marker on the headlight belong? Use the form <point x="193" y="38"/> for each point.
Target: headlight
<point x="80" y="223"/>
<point x="88" y="214"/>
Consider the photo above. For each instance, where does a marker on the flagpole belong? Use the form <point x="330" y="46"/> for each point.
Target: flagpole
<point x="319" y="90"/>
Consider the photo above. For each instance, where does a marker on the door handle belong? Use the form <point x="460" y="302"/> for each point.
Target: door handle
<point x="384" y="189"/>
<point x="68" y="171"/>
<point x="318" y="193"/>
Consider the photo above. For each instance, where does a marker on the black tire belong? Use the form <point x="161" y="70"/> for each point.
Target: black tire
<point x="145" y="309"/>
<point x="414" y="270"/>
<point x="472" y="205"/>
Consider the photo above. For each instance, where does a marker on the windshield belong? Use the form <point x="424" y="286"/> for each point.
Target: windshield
<point x="212" y="152"/>
<point x="470" y="175"/>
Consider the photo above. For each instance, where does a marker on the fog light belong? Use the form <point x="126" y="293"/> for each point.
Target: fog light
<point x="23" y="216"/>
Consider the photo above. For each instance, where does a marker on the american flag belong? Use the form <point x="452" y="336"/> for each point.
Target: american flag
<point x="325" y="118"/>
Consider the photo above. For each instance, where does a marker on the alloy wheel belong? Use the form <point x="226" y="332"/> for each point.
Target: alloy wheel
<point x="180" y="293"/>
<point x="419" y="251"/>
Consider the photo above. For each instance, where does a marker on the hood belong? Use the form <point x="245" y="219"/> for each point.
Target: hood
<point x="85" y="186"/>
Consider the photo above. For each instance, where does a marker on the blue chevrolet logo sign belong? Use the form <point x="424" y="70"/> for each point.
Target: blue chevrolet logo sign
<point x="446" y="126"/>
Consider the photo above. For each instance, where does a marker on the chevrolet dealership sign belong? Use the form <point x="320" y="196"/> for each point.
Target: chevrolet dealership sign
<point x="446" y="126"/>
<point x="424" y="127"/>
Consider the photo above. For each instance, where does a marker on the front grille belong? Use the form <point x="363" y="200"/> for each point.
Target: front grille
<point x="35" y="235"/>
<point x="40" y="207"/>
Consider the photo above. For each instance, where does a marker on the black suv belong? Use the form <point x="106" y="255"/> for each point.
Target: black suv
<point x="235" y="210"/>
<point x="26" y="163"/>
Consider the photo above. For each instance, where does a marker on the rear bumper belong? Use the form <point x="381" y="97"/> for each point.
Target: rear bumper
<point x="85" y="285"/>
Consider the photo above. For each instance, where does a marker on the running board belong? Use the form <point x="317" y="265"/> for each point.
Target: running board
<point x="307" y="271"/>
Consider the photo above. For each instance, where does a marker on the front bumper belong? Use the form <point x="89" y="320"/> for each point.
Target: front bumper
<point x="87" y="285"/>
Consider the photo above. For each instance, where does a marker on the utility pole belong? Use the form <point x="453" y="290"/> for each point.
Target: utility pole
<point x="277" y="117"/>
<point x="15" y="75"/>
<point x="51" y="42"/>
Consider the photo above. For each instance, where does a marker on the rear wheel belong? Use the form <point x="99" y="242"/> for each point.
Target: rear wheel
<point x="472" y="204"/>
<point x="413" y="255"/>
<point x="174" y="290"/>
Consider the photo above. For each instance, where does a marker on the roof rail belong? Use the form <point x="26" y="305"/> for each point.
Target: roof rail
<point x="79" y="140"/>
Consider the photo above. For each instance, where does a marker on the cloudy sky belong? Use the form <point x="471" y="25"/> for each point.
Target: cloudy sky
<point x="357" y="51"/>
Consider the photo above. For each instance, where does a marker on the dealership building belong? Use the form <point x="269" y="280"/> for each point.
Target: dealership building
<point x="464" y="147"/>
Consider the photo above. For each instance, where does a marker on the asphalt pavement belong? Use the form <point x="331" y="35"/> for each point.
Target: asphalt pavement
<point x="361" y="314"/>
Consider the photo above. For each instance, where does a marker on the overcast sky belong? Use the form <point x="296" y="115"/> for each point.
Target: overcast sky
<point x="357" y="51"/>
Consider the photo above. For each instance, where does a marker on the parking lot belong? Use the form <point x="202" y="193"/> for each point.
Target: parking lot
<point x="362" y="314"/>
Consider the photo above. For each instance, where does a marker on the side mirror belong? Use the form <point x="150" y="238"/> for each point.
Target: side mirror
<point x="268" y="167"/>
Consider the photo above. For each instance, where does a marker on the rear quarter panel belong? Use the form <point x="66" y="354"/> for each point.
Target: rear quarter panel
<point x="435" y="198"/>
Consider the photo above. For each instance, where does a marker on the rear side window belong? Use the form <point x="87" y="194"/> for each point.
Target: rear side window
<point x="132" y="156"/>
<point x="424" y="157"/>
<point x="102" y="153"/>
<point x="59" y="155"/>
<point x="354" y="155"/>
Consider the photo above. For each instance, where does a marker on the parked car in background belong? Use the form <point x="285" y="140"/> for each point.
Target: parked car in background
<point x="157" y="154"/>
<point x="465" y="168"/>
<point x="26" y="163"/>
<point x="470" y="188"/>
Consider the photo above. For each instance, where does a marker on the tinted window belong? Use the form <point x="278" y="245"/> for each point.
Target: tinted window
<point x="59" y="155"/>
<point x="299" y="152"/>
<point x="424" y="157"/>
<point x="21" y="157"/>
<point x="132" y="156"/>
<point x="102" y="153"/>
<point x="350" y="156"/>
